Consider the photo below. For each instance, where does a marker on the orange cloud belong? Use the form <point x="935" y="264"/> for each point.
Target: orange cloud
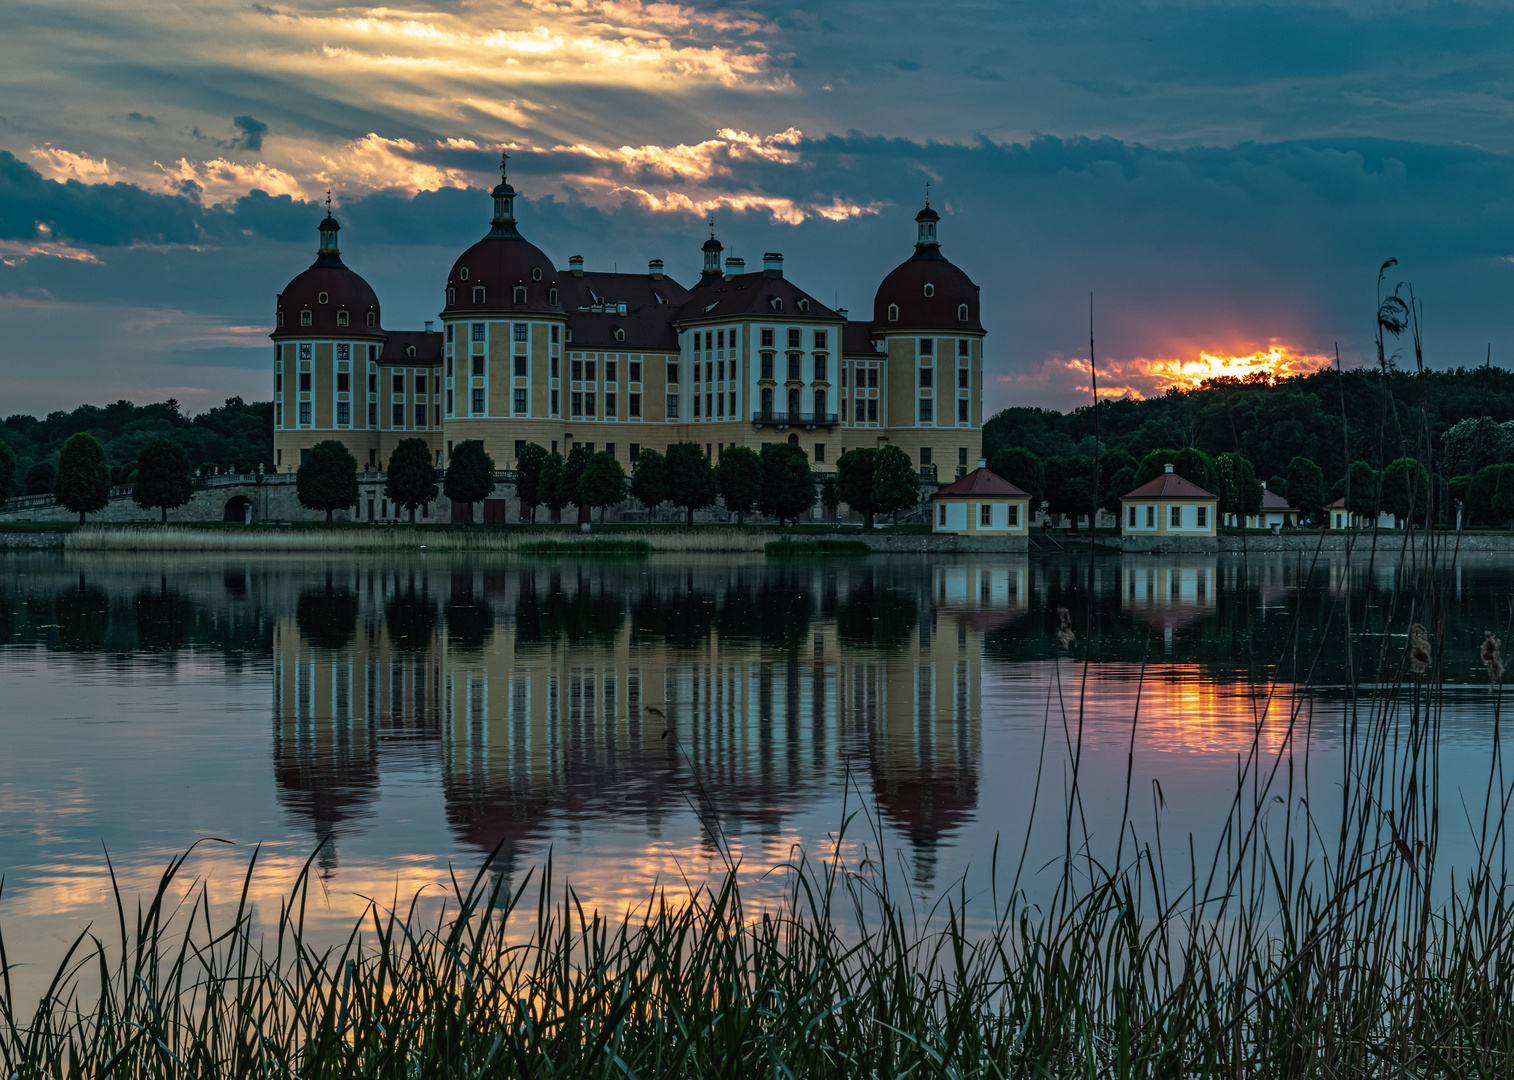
<point x="1143" y="377"/>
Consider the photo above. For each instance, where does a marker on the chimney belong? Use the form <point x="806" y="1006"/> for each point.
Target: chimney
<point x="655" y="269"/>
<point x="576" y="265"/>
<point x="734" y="266"/>
<point x="1169" y="468"/>
<point x="772" y="264"/>
<point x="841" y="311"/>
<point x="428" y="326"/>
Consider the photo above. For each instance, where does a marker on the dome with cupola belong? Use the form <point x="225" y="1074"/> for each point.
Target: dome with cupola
<point x="328" y="299"/>
<point x="504" y="273"/>
<point x="926" y="291"/>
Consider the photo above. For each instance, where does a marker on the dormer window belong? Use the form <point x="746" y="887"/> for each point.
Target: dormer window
<point x="552" y="297"/>
<point x="961" y="312"/>
<point x="893" y="313"/>
<point x="281" y="318"/>
<point x="620" y="335"/>
<point x="463" y="274"/>
<point x="372" y="319"/>
<point x="341" y="318"/>
<point x="777" y="303"/>
<point x="478" y="294"/>
<point x="536" y="273"/>
<point x="804" y="305"/>
<point x="520" y="294"/>
<point x="322" y="298"/>
<point x="306" y="318"/>
<point x="409" y="350"/>
<point x="568" y="334"/>
<point x="930" y="290"/>
<point x="451" y="296"/>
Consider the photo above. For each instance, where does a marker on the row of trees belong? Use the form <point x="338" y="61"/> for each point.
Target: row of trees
<point x="162" y="479"/>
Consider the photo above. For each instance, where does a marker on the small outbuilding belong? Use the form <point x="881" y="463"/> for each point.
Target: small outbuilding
<point x="1168" y="506"/>
<point x="981" y="503"/>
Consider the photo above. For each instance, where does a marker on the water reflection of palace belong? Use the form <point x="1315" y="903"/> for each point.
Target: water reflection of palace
<point x="552" y="694"/>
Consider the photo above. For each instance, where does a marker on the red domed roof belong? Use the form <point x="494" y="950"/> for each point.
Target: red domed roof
<point x="927" y="289"/>
<point x="499" y="264"/>
<point x="327" y="291"/>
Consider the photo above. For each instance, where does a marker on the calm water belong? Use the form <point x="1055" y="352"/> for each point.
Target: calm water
<point x="623" y="716"/>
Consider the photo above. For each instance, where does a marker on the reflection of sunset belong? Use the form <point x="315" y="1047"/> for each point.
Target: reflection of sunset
<point x="1144" y="377"/>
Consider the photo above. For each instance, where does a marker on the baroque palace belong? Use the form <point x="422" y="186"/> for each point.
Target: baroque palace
<point x="618" y="362"/>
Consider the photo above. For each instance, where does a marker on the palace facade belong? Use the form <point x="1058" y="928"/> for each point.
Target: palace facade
<point x="620" y="362"/>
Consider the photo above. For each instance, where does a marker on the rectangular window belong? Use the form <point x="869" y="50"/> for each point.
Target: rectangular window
<point x="925" y="410"/>
<point x="420" y="384"/>
<point x="1013" y="520"/>
<point x="672" y="374"/>
<point x="576" y="370"/>
<point x="1151" y="517"/>
<point x="304" y="412"/>
<point x="696" y="405"/>
<point x="820" y="339"/>
<point x="872" y="410"/>
<point x="520" y="366"/>
<point x="610" y="370"/>
<point x="1201" y="514"/>
<point x="305" y="381"/>
<point x="962" y="378"/>
<point x="927" y="346"/>
<point x="344" y="352"/>
<point x="437" y="409"/>
<point x="588" y="404"/>
<point x="720" y="406"/>
<point x="635" y="451"/>
<point x="633" y="404"/>
<point x="373" y="414"/>
<point x="926" y="376"/>
<point x="820" y="367"/>
<point x="985" y="515"/>
<point x="709" y="371"/>
<point x="478" y="331"/>
<point x="720" y="339"/>
<point x="962" y="411"/>
<point x="399" y="384"/>
<point x="941" y="515"/>
<point x="343" y="413"/>
<point x="767" y="365"/>
<point x="767" y="339"/>
<point x="820" y="451"/>
<point x="397" y="417"/>
<point x="709" y="338"/>
<point x="872" y="378"/>
<point x="420" y="416"/>
<point x="278" y="382"/>
<point x="478" y="364"/>
<point x="278" y="414"/>
<point x="720" y="370"/>
<point x="576" y="403"/>
<point x="795" y="362"/>
<point x="305" y="351"/>
<point x="1131" y="517"/>
<point x="589" y="370"/>
<point x="522" y="332"/>
<point x="554" y="403"/>
<point x="796" y="337"/>
<point x="372" y="382"/>
<point x="555" y="328"/>
<point x="343" y="382"/>
<point x="672" y="406"/>
<point x="610" y="448"/>
<point x="449" y="402"/>
<point x="925" y="455"/>
<point x="635" y="371"/>
<point x="554" y="367"/>
<point x="609" y="404"/>
<point x="478" y="402"/>
<point x="520" y="402"/>
<point x="449" y="333"/>
<point x="1175" y="517"/>
<point x="963" y="349"/>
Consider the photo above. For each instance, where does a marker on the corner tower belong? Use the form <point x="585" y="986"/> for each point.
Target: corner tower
<point x="327" y="337"/>
<point x="926" y="318"/>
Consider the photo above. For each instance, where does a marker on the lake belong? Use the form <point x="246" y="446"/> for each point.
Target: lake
<point x="637" y="721"/>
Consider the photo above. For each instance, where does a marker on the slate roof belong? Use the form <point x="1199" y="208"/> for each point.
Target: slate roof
<point x="1168" y="486"/>
<point x="981" y="482"/>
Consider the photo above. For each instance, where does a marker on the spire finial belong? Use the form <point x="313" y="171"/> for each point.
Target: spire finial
<point x="712" y="225"/>
<point x="328" y="202"/>
<point x="927" y="193"/>
<point x="504" y="159"/>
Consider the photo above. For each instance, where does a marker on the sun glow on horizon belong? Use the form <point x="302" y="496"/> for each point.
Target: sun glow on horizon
<point x="1144" y="377"/>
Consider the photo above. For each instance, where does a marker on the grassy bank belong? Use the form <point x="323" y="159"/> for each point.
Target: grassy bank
<point x="386" y="539"/>
<point x="585" y="547"/>
<point x="810" y="548"/>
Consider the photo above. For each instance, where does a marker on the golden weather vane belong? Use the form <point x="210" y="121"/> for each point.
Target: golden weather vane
<point x="504" y="159"/>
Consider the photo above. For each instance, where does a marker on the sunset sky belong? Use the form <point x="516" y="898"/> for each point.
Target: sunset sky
<point x="1224" y="177"/>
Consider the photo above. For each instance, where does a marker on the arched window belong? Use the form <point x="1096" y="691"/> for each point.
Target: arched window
<point x="520" y="294"/>
<point x="478" y="294"/>
<point x="536" y="273"/>
<point x="777" y="303"/>
<point x="930" y="290"/>
<point x="409" y="350"/>
<point x="794" y="439"/>
<point x="767" y="399"/>
<point x="306" y="318"/>
<point x="804" y="305"/>
<point x="552" y="297"/>
<point x="820" y="404"/>
<point x="961" y="312"/>
<point x="893" y="313"/>
<point x="451" y="296"/>
<point x="322" y="298"/>
<point x="372" y="318"/>
<point x="341" y="318"/>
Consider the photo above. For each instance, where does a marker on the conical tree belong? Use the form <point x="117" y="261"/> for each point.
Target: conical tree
<point x="83" y="483"/>
<point x="327" y="479"/>
<point x="470" y="474"/>
<point x="165" y="479"/>
<point x="411" y="478"/>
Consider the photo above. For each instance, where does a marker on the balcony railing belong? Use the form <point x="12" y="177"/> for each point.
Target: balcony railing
<point x="794" y="419"/>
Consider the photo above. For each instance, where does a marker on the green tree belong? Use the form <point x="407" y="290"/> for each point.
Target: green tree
<point x="327" y="479"/>
<point x="1306" y="490"/>
<point x="829" y="497"/>
<point x="551" y="485"/>
<point x="1487" y="484"/>
<point x="528" y="477"/>
<point x="572" y="471"/>
<point x="603" y="483"/>
<point x="163" y="478"/>
<point x="691" y="483"/>
<point x="1471" y="444"/>
<point x="896" y="483"/>
<point x="739" y="476"/>
<point x="1195" y="467"/>
<point x="1155" y="463"/>
<point x="411" y="478"/>
<point x="649" y="481"/>
<point x="854" y="482"/>
<point x="7" y="471"/>
<point x="788" y="489"/>
<point x="1069" y="486"/>
<point x="83" y="483"/>
<point x="1362" y="494"/>
<point x="1235" y="485"/>
<point x="40" y="478"/>
<point x="1405" y="487"/>
<point x="1120" y="485"/>
<point x="470" y="474"/>
<point x="1022" y="469"/>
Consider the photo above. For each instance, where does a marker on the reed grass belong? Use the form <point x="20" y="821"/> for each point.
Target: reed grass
<point x="390" y="539"/>
<point x="585" y="547"/>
